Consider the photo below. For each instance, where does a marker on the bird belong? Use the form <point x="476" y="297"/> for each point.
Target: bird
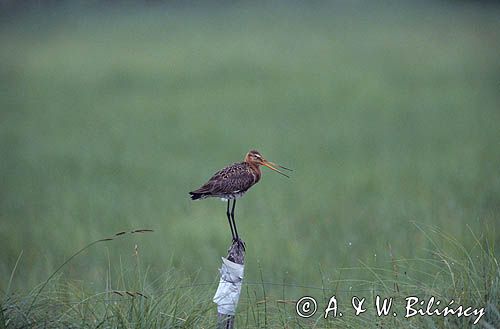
<point x="233" y="181"/>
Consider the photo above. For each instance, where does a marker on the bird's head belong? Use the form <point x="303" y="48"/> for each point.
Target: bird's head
<point x="255" y="158"/>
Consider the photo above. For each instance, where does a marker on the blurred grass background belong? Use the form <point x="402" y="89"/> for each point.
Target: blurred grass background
<point x="389" y="115"/>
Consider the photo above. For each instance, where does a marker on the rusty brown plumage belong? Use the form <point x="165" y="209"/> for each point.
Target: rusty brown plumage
<point x="228" y="183"/>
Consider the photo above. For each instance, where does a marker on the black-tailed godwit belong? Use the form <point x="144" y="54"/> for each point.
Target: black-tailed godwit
<point x="231" y="183"/>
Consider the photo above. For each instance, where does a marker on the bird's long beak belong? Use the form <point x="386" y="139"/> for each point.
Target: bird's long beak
<point x="273" y="166"/>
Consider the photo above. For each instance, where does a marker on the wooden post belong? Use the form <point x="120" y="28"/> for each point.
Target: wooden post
<point x="228" y="292"/>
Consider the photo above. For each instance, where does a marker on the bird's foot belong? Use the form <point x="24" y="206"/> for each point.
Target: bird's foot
<point x="240" y="243"/>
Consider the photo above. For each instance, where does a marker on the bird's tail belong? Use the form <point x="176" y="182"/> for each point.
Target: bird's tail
<point x="196" y="196"/>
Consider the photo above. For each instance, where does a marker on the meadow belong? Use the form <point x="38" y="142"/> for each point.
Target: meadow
<point x="389" y="116"/>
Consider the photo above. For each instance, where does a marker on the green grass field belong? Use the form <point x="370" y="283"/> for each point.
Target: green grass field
<point x="389" y="117"/>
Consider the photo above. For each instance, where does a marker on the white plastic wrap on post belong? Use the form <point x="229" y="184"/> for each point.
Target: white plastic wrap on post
<point x="228" y="293"/>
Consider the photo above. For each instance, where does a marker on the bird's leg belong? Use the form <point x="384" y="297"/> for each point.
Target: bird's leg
<point x="229" y="219"/>
<point x="237" y="240"/>
<point x="232" y="217"/>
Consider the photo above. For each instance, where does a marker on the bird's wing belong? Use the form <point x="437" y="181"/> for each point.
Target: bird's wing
<point x="231" y="179"/>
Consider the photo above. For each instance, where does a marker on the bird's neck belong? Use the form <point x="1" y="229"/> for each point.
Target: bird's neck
<point x="255" y="169"/>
